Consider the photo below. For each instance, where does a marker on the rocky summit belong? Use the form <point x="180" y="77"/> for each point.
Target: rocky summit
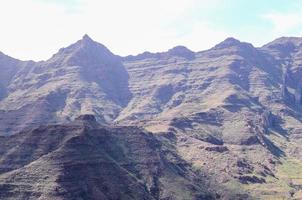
<point x="223" y="123"/>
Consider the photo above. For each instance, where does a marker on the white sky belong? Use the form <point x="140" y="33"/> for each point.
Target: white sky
<point x="36" y="29"/>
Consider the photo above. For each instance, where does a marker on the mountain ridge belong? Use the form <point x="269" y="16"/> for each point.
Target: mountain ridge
<point x="232" y="111"/>
<point x="86" y="36"/>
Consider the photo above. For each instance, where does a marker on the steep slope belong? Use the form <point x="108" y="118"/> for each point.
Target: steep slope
<point x="9" y="67"/>
<point x="227" y="109"/>
<point x="83" y="160"/>
<point x="219" y="79"/>
<point x="232" y="113"/>
<point x="82" y="78"/>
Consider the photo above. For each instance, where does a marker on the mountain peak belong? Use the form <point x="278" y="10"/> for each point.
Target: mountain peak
<point x="229" y="42"/>
<point x="181" y="51"/>
<point x="178" y="51"/>
<point x="86" y="39"/>
<point x="179" y="48"/>
<point x="87" y="42"/>
<point x="232" y="42"/>
<point x="86" y="50"/>
<point x="288" y="39"/>
<point x="285" y="44"/>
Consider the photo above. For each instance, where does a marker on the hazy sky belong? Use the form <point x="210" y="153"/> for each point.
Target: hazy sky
<point x="36" y="29"/>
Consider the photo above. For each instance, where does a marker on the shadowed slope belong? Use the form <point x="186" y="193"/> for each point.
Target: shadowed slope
<point x="83" y="160"/>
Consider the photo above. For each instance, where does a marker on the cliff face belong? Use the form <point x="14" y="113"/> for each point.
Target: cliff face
<point x="232" y="112"/>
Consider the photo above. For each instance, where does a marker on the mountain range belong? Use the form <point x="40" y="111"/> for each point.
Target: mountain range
<point x="224" y="123"/>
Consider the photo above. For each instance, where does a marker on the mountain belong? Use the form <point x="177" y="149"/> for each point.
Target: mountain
<point x="232" y="113"/>
<point x="83" y="160"/>
<point x="83" y="78"/>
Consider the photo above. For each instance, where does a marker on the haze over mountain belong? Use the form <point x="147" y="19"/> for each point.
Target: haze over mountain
<point x="231" y="115"/>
